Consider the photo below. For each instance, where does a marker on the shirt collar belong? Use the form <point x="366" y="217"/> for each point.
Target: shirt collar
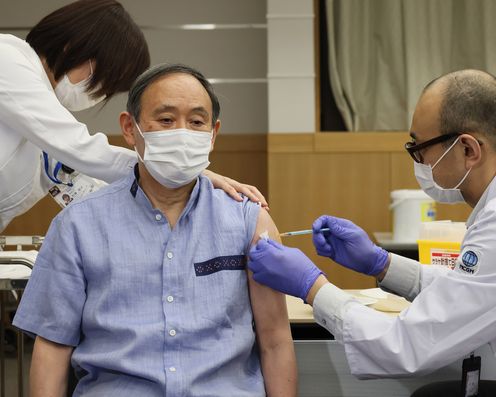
<point x="488" y="193"/>
<point x="141" y="198"/>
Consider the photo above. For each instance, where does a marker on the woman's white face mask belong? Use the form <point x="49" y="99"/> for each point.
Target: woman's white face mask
<point x="425" y="178"/>
<point x="74" y="95"/>
<point x="176" y="157"/>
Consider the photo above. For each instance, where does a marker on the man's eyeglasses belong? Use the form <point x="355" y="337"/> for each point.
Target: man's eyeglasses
<point x="414" y="149"/>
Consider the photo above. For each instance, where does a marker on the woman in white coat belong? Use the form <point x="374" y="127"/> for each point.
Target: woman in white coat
<point x="74" y="58"/>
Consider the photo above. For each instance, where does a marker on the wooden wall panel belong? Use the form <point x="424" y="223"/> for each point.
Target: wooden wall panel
<point x="305" y="186"/>
<point x="366" y="142"/>
<point x="402" y="176"/>
<point x="455" y="212"/>
<point x="242" y="157"/>
<point x="343" y="174"/>
<point x="35" y="222"/>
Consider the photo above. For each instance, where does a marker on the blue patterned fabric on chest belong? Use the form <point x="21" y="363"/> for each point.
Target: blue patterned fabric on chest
<point x="232" y="262"/>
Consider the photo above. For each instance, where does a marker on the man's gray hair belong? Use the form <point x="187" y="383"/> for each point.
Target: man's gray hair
<point x="155" y="72"/>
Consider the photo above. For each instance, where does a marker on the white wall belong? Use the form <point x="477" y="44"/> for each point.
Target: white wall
<point x="291" y="66"/>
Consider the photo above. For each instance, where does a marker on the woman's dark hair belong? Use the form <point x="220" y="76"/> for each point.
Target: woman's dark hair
<point x="93" y="29"/>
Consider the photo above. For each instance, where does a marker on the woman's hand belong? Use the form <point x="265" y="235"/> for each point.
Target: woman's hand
<point x="234" y="188"/>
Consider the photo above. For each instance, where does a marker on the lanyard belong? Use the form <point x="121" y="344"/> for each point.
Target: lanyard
<point x="56" y="170"/>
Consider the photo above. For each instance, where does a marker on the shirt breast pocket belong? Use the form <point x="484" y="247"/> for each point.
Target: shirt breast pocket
<point x="221" y="289"/>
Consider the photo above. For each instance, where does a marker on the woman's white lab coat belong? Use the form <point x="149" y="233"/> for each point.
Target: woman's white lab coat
<point x="453" y="311"/>
<point x="32" y="120"/>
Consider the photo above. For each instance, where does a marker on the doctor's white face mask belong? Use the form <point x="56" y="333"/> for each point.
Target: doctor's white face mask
<point x="176" y="157"/>
<point x="425" y="178"/>
<point x="73" y="95"/>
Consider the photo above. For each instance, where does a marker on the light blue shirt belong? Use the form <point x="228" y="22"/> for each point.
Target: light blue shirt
<point x="151" y="311"/>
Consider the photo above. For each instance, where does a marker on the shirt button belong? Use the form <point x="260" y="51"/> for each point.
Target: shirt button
<point x="170" y="255"/>
<point x="170" y="299"/>
<point x="158" y="217"/>
<point x="172" y="332"/>
<point x="172" y="369"/>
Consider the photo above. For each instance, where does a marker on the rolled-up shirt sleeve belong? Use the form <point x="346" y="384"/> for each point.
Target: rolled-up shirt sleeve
<point x="53" y="301"/>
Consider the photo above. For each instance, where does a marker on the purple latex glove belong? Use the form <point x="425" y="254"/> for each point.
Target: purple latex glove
<point x="348" y="245"/>
<point x="282" y="268"/>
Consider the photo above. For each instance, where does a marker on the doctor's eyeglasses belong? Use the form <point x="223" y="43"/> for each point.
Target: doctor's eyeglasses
<point x="414" y="150"/>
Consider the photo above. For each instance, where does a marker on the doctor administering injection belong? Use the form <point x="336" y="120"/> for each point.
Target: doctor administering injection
<point x="453" y="312"/>
<point x="74" y="58"/>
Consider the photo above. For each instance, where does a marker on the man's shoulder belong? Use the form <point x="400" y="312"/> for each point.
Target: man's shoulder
<point x="236" y="219"/>
<point x="479" y="244"/>
<point x="488" y="211"/>
<point x="491" y="202"/>
<point x="11" y="41"/>
<point x="221" y="198"/>
<point x="16" y="51"/>
<point x="487" y="215"/>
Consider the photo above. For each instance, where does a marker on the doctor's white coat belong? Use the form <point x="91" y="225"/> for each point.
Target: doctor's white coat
<point x="32" y="120"/>
<point x="453" y="312"/>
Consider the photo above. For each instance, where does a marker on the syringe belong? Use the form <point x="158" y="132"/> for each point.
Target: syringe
<point x="301" y="232"/>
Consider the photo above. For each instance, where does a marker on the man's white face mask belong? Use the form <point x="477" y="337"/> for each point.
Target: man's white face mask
<point x="176" y="157"/>
<point x="74" y="96"/>
<point x="425" y="178"/>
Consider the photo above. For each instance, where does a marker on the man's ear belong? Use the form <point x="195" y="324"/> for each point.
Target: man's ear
<point x="472" y="150"/>
<point x="127" y="127"/>
<point x="215" y="132"/>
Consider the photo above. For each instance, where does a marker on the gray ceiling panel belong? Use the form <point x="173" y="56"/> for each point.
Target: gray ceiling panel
<point x="160" y="12"/>
<point x="243" y="107"/>
<point x="239" y="53"/>
<point x="234" y="55"/>
<point x="25" y="13"/>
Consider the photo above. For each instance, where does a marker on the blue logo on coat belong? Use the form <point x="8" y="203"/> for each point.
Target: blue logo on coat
<point x="470" y="259"/>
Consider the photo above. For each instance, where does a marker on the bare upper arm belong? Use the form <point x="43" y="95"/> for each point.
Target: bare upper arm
<point x="51" y="351"/>
<point x="269" y="306"/>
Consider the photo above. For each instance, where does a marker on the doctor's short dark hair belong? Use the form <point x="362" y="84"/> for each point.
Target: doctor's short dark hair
<point x="468" y="103"/>
<point x="93" y="29"/>
<point x="161" y="70"/>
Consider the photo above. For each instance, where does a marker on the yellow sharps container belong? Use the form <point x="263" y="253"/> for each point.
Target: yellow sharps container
<point x="440" y="242"/>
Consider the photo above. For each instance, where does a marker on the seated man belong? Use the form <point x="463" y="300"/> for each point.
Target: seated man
<point x="143" y="285"/>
